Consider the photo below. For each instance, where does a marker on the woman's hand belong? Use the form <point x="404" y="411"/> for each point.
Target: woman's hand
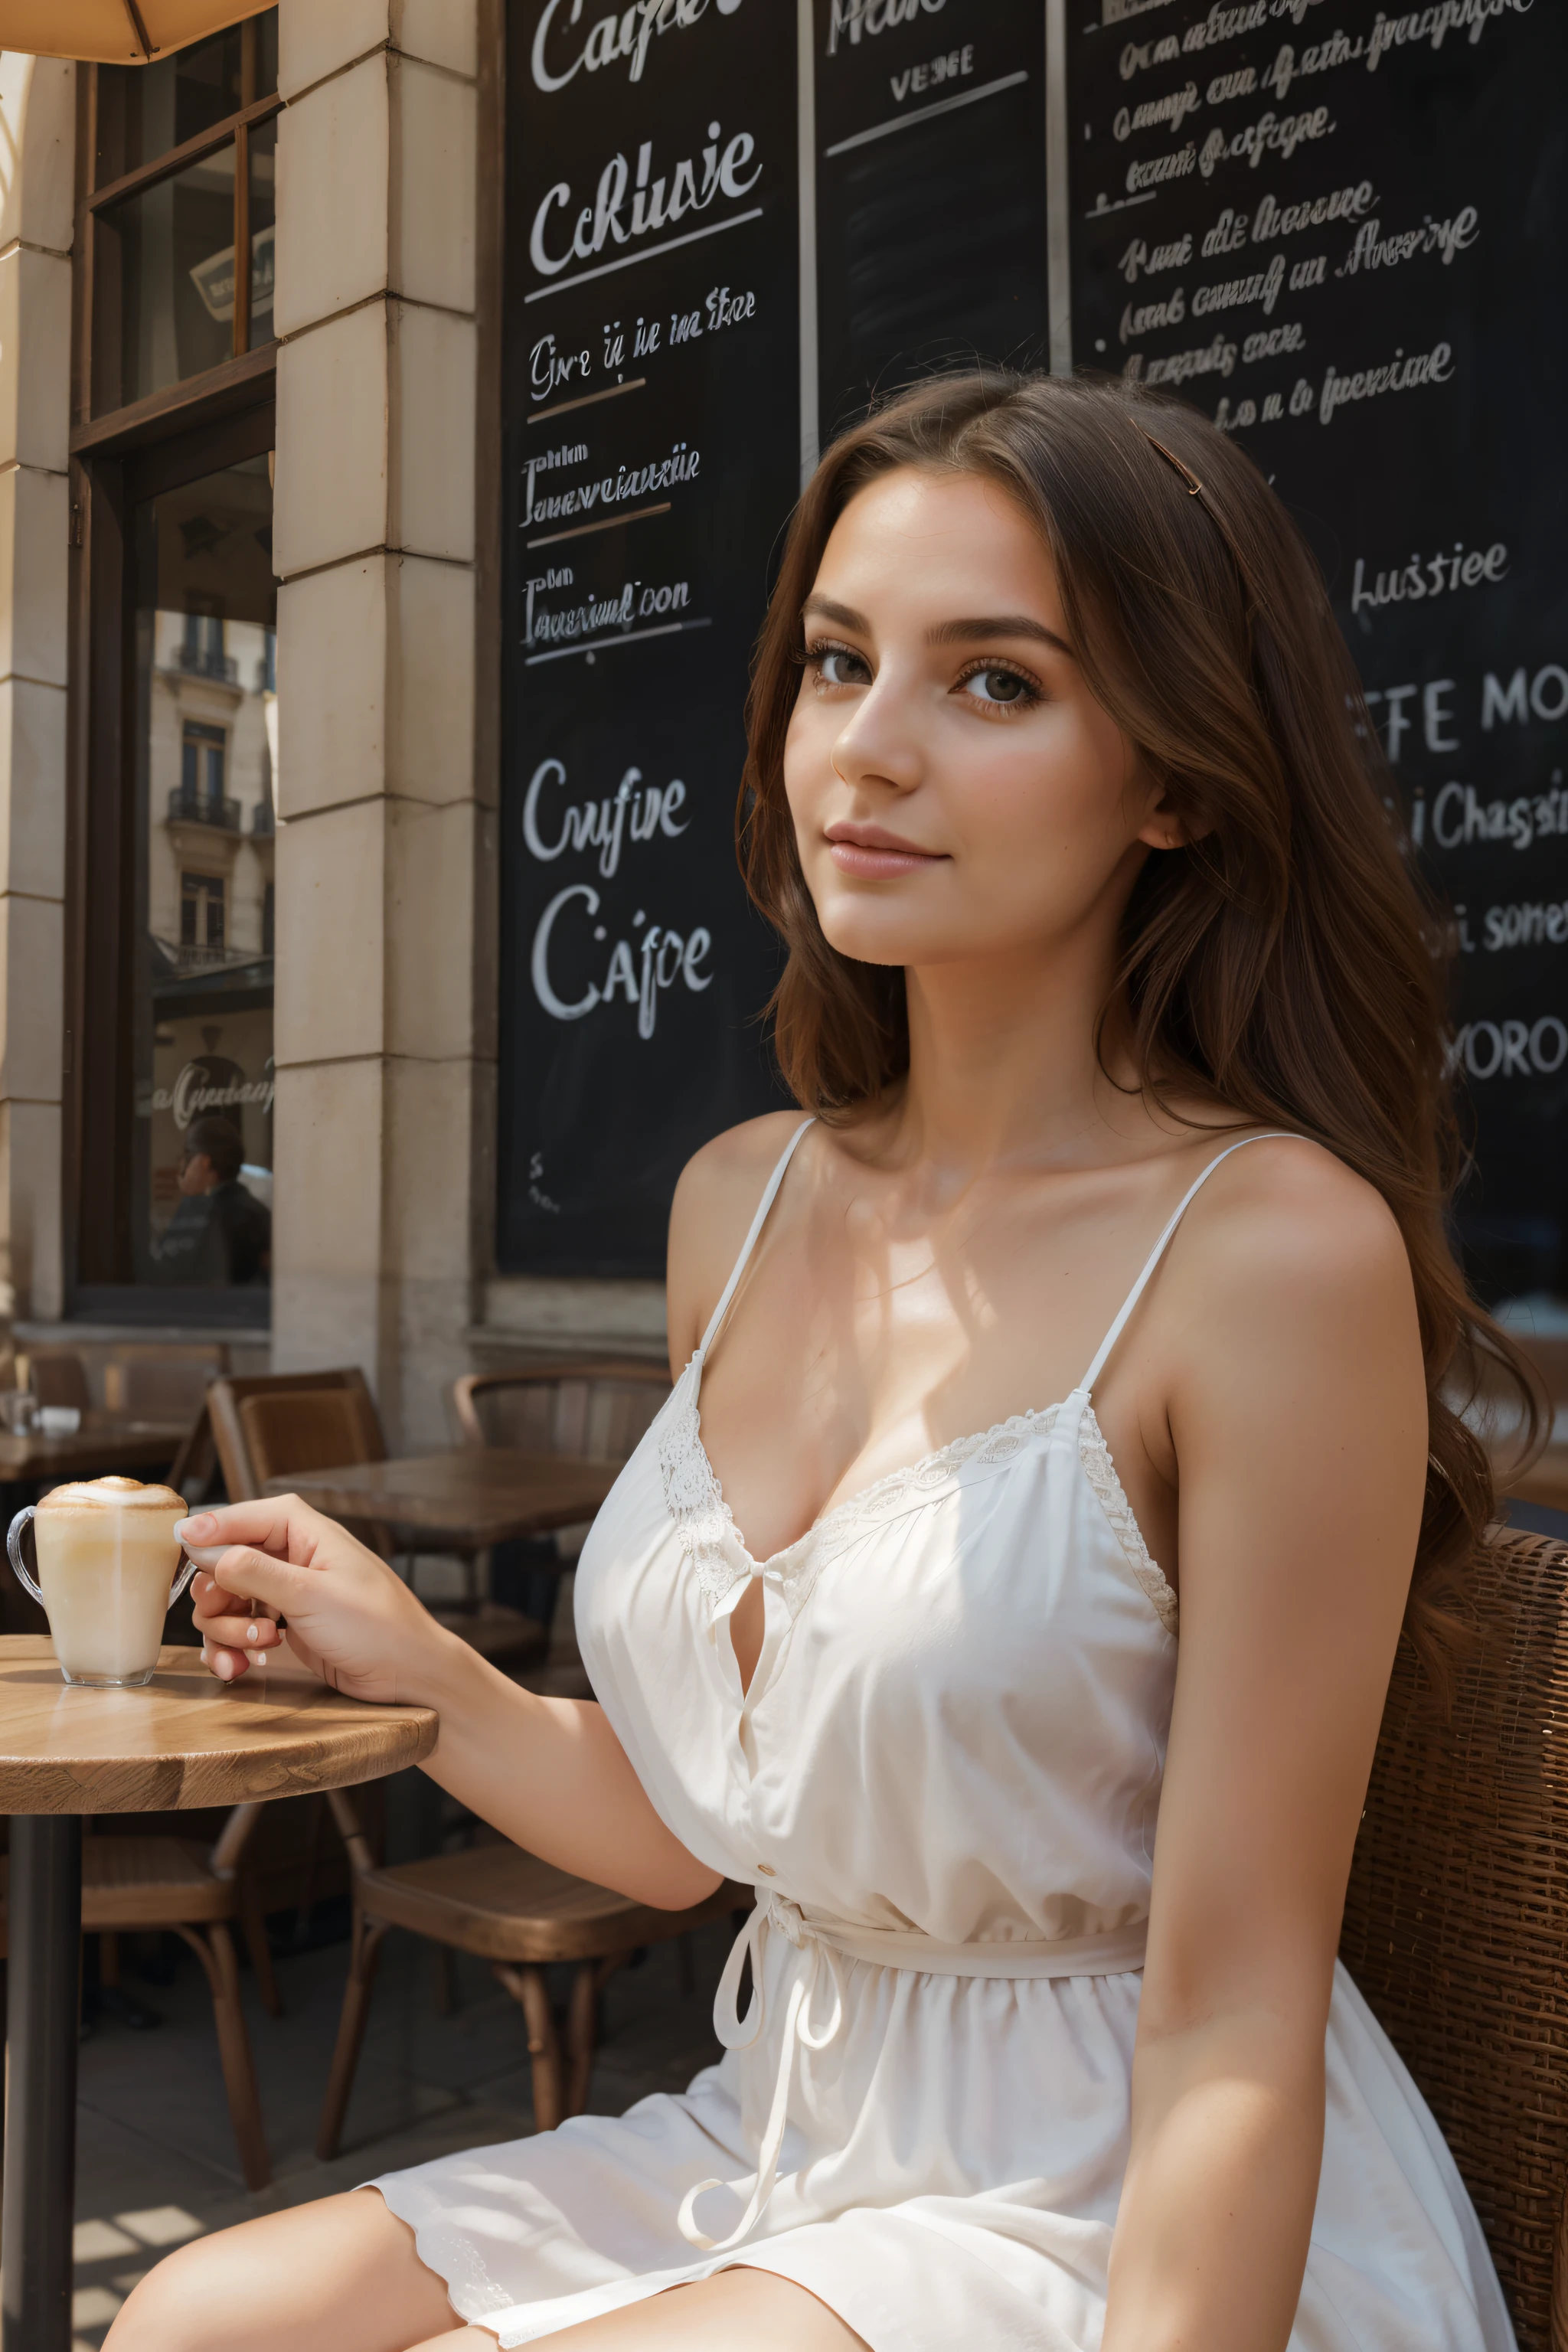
<point x="349" y="1618"/>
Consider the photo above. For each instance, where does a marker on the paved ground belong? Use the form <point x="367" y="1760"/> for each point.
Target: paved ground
<point x="156" y="2161"/>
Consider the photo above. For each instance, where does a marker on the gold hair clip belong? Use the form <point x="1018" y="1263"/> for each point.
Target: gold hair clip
<point x="1194" y="488"/>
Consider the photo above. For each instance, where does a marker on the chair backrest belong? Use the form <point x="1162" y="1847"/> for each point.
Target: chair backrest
<point x="291" y="1443"/>
<point x="160" y="1388"/>
<point x="60" y="1377"/>
<point x="309" y="1429"/>
<point x="1456" y="1923"/>
<point x="591" y="1411"/>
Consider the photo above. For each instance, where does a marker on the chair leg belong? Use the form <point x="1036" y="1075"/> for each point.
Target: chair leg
<point x="364" y="1954"/>
<point x="216" y="1952"/>
<point x="529" y="1990"/>
<point x="107" y="1959"/>
<point x="583" y="2027"/>
<point x="254" y="1922"/>
<point x="446" y="1980"/>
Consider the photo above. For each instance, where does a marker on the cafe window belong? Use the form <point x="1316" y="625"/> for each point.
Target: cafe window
<point x="175" y="679"/>
<point x="183" y="213"/>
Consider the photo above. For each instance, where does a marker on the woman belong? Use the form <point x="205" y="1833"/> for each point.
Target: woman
<point x="1124" y="1040"/>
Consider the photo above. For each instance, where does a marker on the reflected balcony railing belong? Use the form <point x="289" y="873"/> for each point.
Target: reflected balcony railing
<point x="189" y="806"/>
<point x="207" y="661"/>
<point x="263" y="820"/>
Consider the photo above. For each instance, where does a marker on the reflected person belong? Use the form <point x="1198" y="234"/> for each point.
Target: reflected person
<point x="220" y="1234"/>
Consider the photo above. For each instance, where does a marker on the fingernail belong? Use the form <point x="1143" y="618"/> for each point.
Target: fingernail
<point x="198" y="1527"/>
<point x="261" y="1657"/>
<point x="206" y="1655"/>
<point x="251" y="1633"/>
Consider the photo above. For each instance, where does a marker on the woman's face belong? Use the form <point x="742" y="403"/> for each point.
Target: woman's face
<point x="957" y="792"/>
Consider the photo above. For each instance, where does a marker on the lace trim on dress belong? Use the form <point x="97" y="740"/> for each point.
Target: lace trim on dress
<point x="706" y="1525"/>
<point x="1100" y="1472"/>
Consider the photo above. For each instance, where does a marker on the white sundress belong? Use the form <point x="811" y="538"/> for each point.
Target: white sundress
<point x="943" y="1782"/>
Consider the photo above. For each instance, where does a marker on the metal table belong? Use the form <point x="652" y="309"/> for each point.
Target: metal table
<point x="183" y="1741"/>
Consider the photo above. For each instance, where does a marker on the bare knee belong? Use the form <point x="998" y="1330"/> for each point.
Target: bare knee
<point x="179" y="2306"/>
<point x="340" y="2275"/>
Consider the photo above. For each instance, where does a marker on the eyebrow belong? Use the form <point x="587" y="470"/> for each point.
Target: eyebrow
<point x="948" y="632"/>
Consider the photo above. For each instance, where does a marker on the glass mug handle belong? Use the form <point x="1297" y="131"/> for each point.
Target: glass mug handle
<point x="14" y="1550"/>
<point x="14" y="1554"/>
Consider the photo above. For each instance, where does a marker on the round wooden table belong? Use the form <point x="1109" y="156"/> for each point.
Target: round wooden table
<point x="184" y="1740"/>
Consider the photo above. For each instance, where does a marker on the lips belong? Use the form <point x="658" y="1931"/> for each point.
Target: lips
<point x="871" y="855"/>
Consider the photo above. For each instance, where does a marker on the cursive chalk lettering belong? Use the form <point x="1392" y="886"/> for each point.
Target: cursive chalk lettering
<point x="1158" y="168"/>
<point x="1433" y="24"/>
<point x="856" y="17"/>
<point x="1218" y="358"/>
<point x="666" y="957"/>
<point x="655" y="203"/>
<point x="1399" y="374"/>
<point x="1139" y="256"/>
<point x="1273" y="219"/>
<point x="1373" y="250"/>
<point x="1236" y="293"/>
<point x="1525" y="924"/>
<point x="603" y="824"/>
<point x="1459" y="816"/>
<point x="1157" y="113"/>
<point x="626" y="32"/>
<point x="1271" y="134"/>
<point x="613" y="490"/>
<point x="1431" y="575"/>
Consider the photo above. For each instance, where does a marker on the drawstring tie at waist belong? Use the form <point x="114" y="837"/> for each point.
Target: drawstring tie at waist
<point x="824" y="1944"/>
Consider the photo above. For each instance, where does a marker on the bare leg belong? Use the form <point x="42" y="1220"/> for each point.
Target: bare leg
<point x="342" y="2276"/>
<point x="338" y="2277"/>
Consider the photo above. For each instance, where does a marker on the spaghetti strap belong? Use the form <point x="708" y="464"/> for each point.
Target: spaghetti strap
<point x="1275" y="1135"/>
<point x="749" y="1245"/>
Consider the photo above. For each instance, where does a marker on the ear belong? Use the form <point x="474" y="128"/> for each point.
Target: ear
<point x="1166" y="826"/>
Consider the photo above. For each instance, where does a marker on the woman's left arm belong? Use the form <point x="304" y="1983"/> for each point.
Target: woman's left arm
<point x="1296" y="1417"/>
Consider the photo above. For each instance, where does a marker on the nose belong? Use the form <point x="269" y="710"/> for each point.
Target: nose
<point x="878" y="745"/>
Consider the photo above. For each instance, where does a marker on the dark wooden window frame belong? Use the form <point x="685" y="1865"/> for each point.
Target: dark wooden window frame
<point x="117" y="460"/>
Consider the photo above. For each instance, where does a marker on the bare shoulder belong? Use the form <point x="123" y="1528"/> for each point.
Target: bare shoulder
<point x="714" y="1204"/>
<point x="1290" y="1258"/>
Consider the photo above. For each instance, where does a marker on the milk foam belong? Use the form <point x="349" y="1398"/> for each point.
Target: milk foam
<point x="107" y="1558"/>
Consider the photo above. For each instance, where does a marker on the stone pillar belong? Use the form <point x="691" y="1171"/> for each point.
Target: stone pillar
<point x="38" y="100"/>
<point x="381" y="829"/>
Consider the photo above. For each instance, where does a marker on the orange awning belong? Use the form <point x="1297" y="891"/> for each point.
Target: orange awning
<point x="113" y="32"/>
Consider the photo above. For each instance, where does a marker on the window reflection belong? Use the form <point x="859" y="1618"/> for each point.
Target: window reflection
<point x="263" y="208"/>
<point x="176" y="98"/>
<point x="207" y="742"/>
<point x="176" y="243"/>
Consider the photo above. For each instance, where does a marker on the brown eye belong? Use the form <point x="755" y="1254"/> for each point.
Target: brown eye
<point x="1003" y="687"/>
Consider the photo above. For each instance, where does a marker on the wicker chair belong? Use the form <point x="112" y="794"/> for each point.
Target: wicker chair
<point x="1457" y="1919"/>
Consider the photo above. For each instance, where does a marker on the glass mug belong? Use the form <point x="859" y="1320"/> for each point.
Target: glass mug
<point x="108" y="1572"/>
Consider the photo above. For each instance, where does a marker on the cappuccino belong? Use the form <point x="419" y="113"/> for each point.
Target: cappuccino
<point x="107" y="1558"/>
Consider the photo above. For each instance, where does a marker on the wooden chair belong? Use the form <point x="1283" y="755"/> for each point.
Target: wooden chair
<point x="161" y="1383"/>
<point x="134" y="1882"/>
<point x="1456" y="1924"/>
<point x="59" y="1377"/>
<point x="595" y="1410"/>
<point x="518" y="1914"/>
<point x="284" y="1426"/>
<point x="585" y="1409"/>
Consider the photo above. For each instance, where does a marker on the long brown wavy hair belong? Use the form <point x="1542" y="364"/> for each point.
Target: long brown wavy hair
<point x="1285" y="965"/>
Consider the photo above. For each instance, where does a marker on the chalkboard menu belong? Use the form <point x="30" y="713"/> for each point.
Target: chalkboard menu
<point x="1336" y="226"/>
<point x="652" y="452"/>
<point x="930" y="191"/>
<point x="1340" y="229"/>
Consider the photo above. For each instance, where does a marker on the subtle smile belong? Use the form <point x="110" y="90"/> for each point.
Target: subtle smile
<point x="872" y="855"/>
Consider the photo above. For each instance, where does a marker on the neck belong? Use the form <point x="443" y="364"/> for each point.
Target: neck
<point x="1003" y="1070"/>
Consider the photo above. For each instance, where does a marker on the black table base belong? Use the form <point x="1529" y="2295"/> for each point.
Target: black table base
<point x="37" y="2205"/>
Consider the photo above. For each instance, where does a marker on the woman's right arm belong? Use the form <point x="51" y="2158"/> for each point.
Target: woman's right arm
<point x="550" y="1774"/>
